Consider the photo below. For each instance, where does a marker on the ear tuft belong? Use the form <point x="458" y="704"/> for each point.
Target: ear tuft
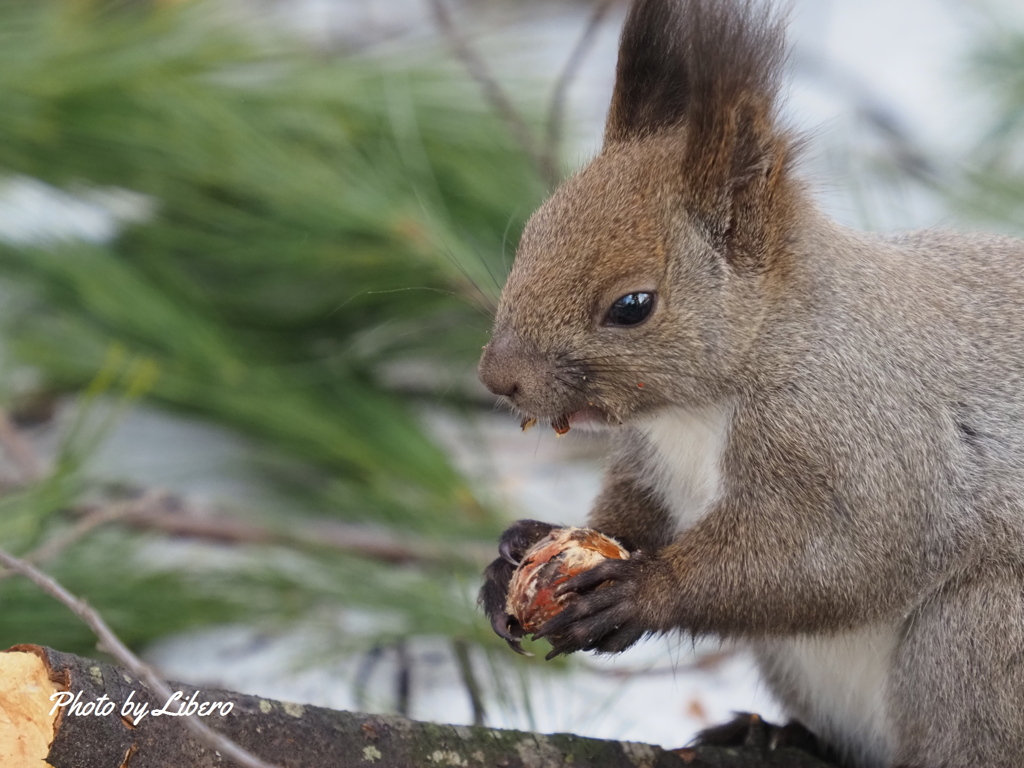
<point x="693" y="61"/>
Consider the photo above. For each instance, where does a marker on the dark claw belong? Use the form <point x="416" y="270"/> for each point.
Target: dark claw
<point x="504" y="629"/>
<point x="609" y="570"/>
<point x="515" y="646"/>
<point x="623" y="638"/>
<point x="794" y="735"/>
<point x="586" y="608"/>
<point x="519" y="537"/>
<point x="559" y="647"/>
<point x="505" y="550"/>
<point x="508" y="629"/>
<point x="746" y="729"/>
<point x="502" y="626"/>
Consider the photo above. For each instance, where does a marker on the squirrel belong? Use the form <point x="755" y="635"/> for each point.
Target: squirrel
<point x="818" y="433"/>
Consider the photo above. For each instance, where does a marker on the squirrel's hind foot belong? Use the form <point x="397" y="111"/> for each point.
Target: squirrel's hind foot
<point x="750" y="730"/>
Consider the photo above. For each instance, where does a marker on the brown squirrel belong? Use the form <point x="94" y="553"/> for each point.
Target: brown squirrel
<point x="818" y="433"/>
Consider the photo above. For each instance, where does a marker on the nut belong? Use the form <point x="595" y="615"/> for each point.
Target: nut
<point x="552" y="561"/>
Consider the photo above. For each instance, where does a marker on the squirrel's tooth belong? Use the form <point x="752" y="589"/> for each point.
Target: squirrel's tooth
<point x="527" y="423"/>
<point x="561" y="425"/>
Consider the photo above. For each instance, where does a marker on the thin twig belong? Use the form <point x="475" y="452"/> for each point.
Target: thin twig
<point x="403" y="678"/>
<point x="157" y="510"/>
<point x="111" y="643"/>
<point x="179" y="519"/>
<point x="116" y="511"/>
<point x="364" y="671"/>
<point x="556" y="112"/>
<point x="91" y="520"/>
<point x="465" y="663"/>
<point x="50" y="549"/>
<point x="493" y="92"/>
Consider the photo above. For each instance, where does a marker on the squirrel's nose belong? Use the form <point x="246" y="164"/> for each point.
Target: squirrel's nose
<point x="498" y="370"/>
<point x="501" y="386"/>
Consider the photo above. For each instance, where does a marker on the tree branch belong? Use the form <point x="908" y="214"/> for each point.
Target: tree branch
<point x="464" y="661"/>
<point x="294" y="735"/>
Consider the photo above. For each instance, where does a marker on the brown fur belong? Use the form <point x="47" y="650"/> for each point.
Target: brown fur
<point x="871" y="476"/>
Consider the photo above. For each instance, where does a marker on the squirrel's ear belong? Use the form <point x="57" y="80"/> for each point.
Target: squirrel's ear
<point x="709" y="72"/>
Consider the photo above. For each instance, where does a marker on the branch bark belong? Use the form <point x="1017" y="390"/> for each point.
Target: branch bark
<point x="290" y="735"/>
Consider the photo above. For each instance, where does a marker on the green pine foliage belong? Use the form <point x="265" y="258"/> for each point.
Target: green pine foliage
<point x="988" y="184"/>
<point x="301" y="223"/>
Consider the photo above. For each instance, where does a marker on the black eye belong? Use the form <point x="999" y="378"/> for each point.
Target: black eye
<point x="631" y="309"/>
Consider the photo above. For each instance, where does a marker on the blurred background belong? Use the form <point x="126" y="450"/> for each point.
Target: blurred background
<point x="248" y="255"/>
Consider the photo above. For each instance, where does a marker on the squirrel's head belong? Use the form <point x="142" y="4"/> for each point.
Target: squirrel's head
<point x="643" y="281"/>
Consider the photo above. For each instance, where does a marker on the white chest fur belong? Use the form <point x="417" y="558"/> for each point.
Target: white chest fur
<point x="687" y="446"/>
<point x="836" y="686"/>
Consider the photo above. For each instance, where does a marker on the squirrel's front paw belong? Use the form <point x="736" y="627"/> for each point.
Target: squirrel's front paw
<point x="514" y="542"/>
<point x="608" y="613"/>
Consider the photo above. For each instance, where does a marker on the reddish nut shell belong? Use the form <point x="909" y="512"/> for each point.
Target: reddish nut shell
<point x="557" y="557"/>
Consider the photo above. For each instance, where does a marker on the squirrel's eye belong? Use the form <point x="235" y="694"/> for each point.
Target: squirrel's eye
<point x="631" y="309"/>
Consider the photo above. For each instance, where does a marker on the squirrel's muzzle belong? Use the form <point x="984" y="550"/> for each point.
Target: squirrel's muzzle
<point x="500" y="368"/>
<point x="516" y="369"/>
